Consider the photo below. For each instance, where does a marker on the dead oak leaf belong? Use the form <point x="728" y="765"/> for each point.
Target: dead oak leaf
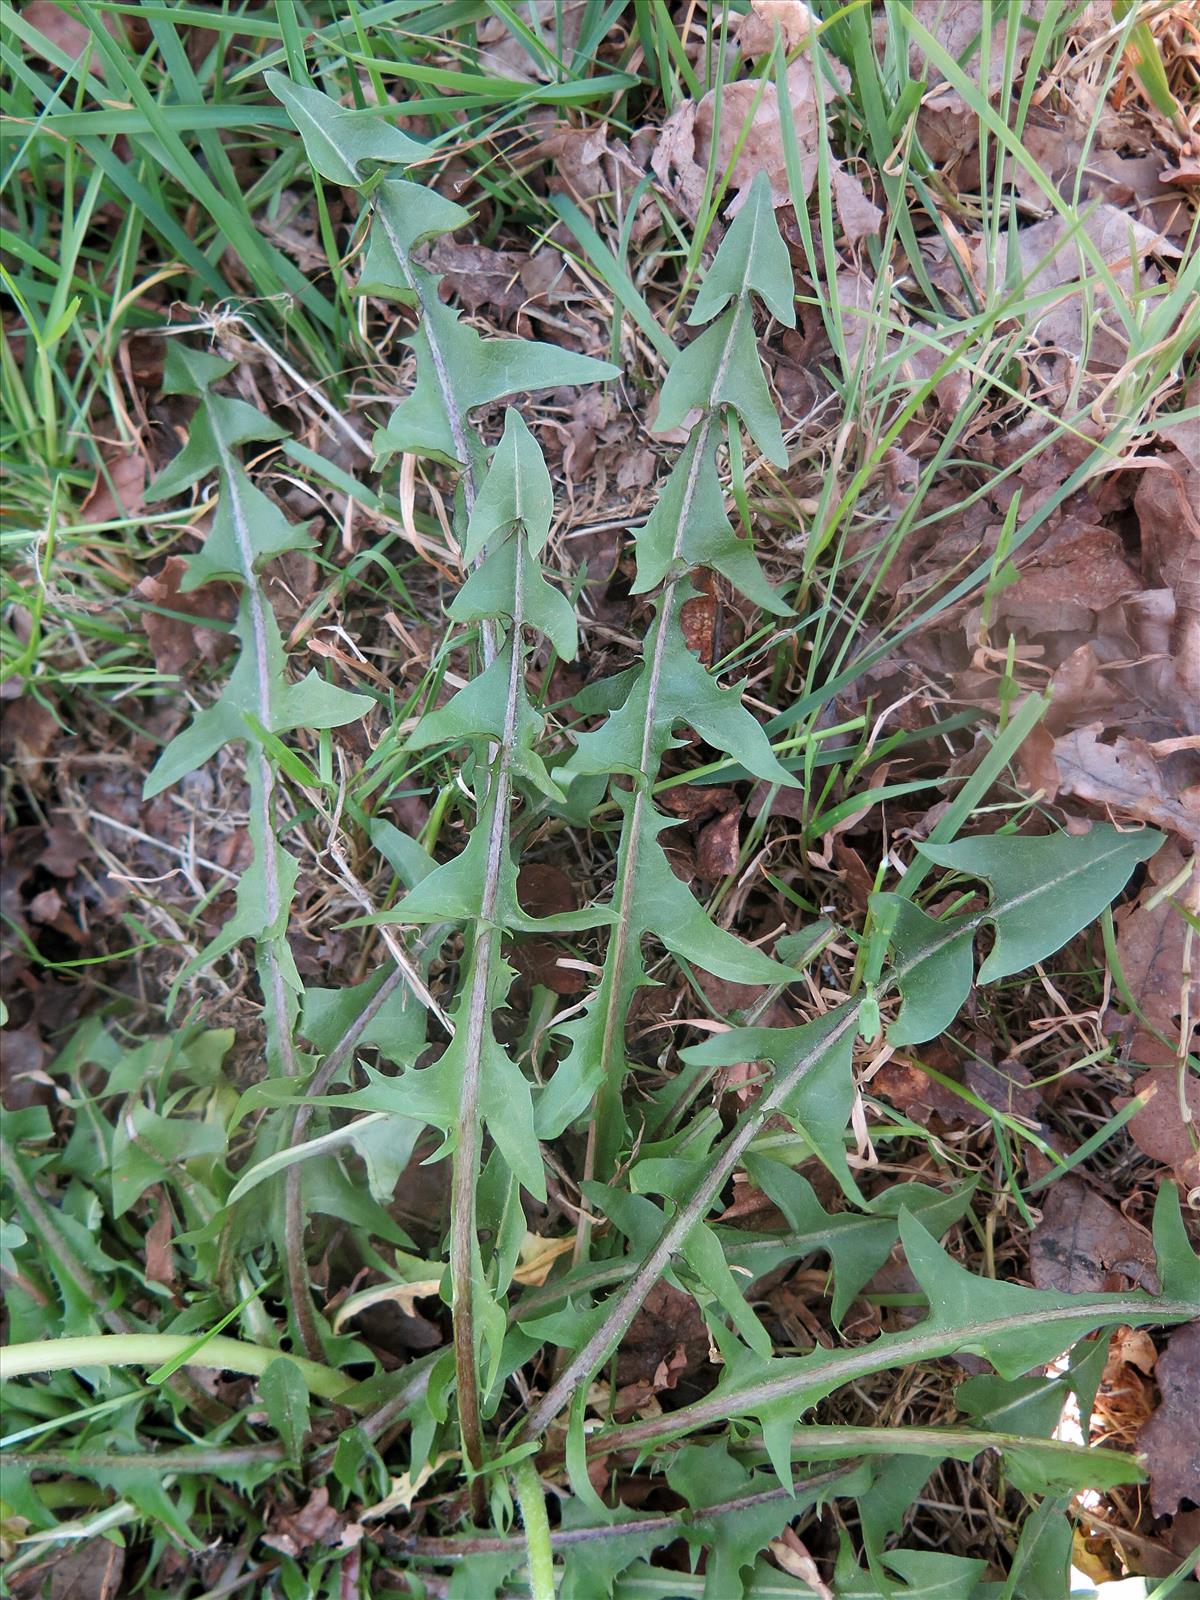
<point x="668" y="1319"/>
<point x="756" y="34"/>
<point x="1152" y="952"/>
<point x="744" y="117"/>
<point x="1082" y="1241"/>
<point x="1125" y="778"/>
<point x="160" y="1258"/>
<point x="1079" y="571"/>
<point x="544" y="890"/>
<point x="316" y="1522"/>
<point x="857" y="212"/>
<point x="1167" y="503"/>
<point x="793" y="1556"/>
<point x="92" y="1569"/>
<point x="1007" y="1086"/>
<point x="1170" y="1441"/>
<point x="65" y="850"/>
<point x="1161" y="1130"/>
<point x="1052" y="257"/>
<point x="174" y="640"/>
<point x="903" y="1084"/>
<point x="66" y="32"/>
<point x="699" y="617"/>
<point x="119" y="490"/>
<point x="718" y="845"/>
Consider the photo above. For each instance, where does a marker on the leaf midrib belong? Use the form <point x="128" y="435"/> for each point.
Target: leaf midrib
<point x="889" y="1350"/>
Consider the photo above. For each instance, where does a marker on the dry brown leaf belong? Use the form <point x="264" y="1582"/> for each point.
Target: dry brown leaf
<point x="64" y="851"/>
<point x="852" y="870"/>
<point x="68" y="33"/>
<point x="1126" y="1397"/>
<point x="1008" y="1087"/>
<point x="160" y="1258"/>
<point x="1052" y="257"/>
<point x="957" y="27"/>
<point x="756" y="36"/>
<point x="904" y="1085"/>
<point x="587" y="163"/>
<point x="91" y="1569"/>
<point x="946" y="125"/>
<point x="1080" y="691"/>
<point x="1082" y="1240"/>
<point x="316" y="1522"/>
<point x="640" y="1398"/>
<point x="499" y="284"/>
<point x="698" y="617"/>
<point x="1126" y="780"/>
<point x="1152" y="951"/>
<point x="174" y="641"/>
<point x="857" y="212"/>
<point x="1080" y="570"/>
<point x="694" y="802"/>
<point x="1035" y="760"/>
<point x="856" y="290"/>
<point x="557" y="23"/>
<point x="1160" y="1129"/>
<point x="793" y="1556"/>
<point x="668" y="1318"/>
<point x="717" y="846"/>
<point x="28" y="732"/>
<point x="544" y="890"/>
<point x="1170" y="1441"/>
<point x="1167" y="503"/>
<point x="119" y="491"/>
<point x="1133" y="1347"/>
<point x="685" y="148"/>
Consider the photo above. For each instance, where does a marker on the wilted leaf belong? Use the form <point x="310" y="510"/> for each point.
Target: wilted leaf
<point x="857" y="213"/>
<point x="160" y="1258"/>
<point x="1008" y="1087"/>
<point x="1051" y="258"/>
<point x="68" y="32"/>
<point x="903" y="1084"/>
<point x="1168" y="509"/>
<point x="1079" y="571"/>
<point x="946" y="126"/>
<point x="92" y="1569"/>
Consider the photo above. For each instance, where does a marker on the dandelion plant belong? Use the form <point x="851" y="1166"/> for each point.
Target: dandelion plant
<point x="600" y="1389"/>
